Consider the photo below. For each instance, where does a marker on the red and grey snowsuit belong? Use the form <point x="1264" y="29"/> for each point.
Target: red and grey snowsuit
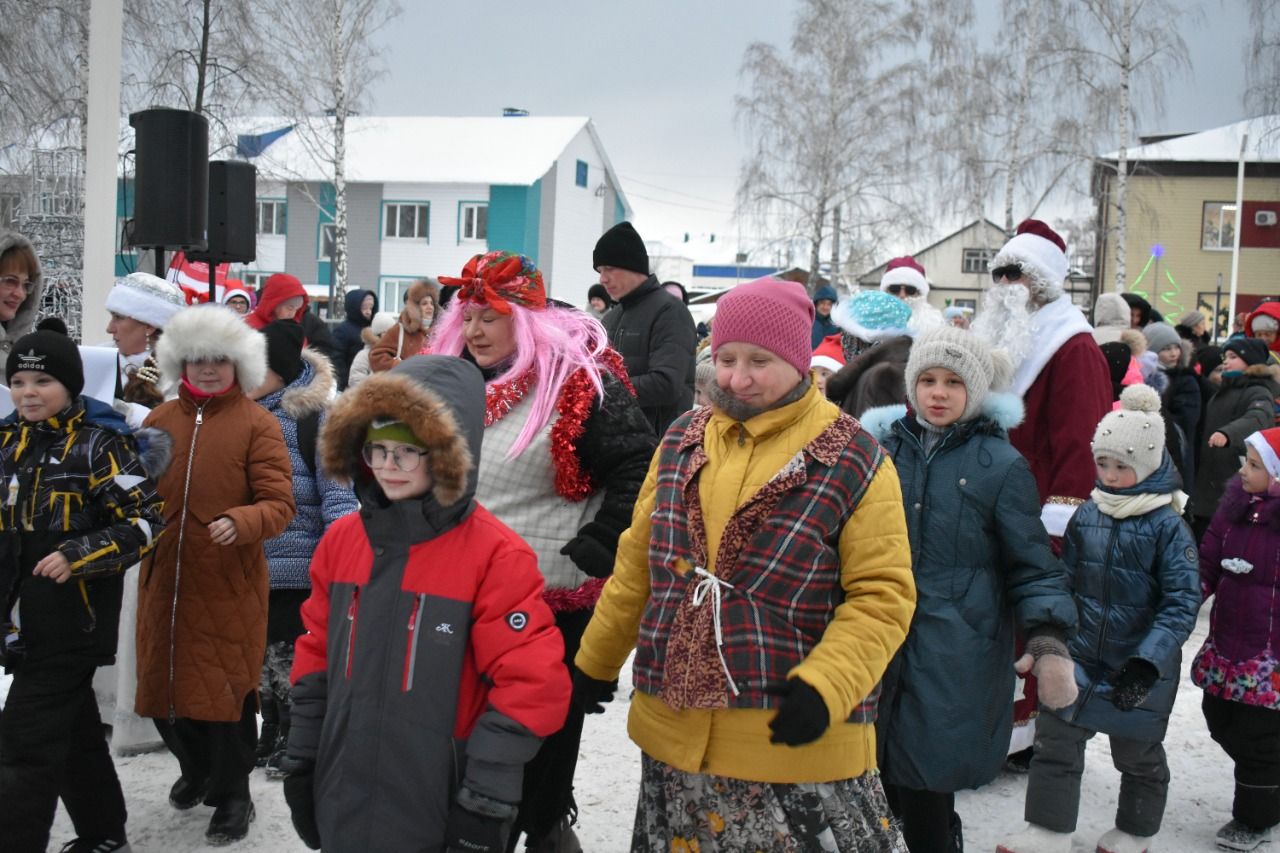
<point x="431" y="668"/>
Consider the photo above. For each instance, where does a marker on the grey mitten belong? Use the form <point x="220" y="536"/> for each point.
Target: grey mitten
<point x="1048" y="659"/>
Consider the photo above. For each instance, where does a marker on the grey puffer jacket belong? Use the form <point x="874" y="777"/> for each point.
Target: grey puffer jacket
<point x="981" y="561"/>
<point x="1137" y="588"/>
<point x="25" y="319"/>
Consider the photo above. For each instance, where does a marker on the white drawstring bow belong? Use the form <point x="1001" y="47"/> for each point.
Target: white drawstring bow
<point x="711" y="583"/>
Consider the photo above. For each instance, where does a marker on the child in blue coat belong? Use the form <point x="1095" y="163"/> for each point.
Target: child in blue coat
<point x="981" y="562"/>
<point x="1136" y="575"/>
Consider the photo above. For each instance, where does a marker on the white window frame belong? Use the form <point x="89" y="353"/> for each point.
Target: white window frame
<point x="472" y="207"/>
<point x="1224" y="244"/>
<point x="975" y="261"/>
<point x="391" y="291"/>
<point x="391" y="220"/>
<point x="255" y="280"/>
<point x="279" y="216"/>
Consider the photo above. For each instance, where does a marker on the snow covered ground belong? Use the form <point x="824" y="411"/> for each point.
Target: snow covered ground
<point x="1199" y="796"/>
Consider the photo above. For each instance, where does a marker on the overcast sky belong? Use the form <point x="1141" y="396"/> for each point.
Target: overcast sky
<point x="658" y="78"/>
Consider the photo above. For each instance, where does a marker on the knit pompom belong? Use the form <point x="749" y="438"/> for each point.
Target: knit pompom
<point x="1140" y="398"/>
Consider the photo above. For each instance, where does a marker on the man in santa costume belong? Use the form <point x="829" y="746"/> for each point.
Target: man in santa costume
<point x="1064" y="383"/>
<point x="904" y="278"/>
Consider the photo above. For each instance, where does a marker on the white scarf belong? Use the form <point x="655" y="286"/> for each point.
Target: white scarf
<point x="1051" y="327"/>
<point x="1127" y="506"/>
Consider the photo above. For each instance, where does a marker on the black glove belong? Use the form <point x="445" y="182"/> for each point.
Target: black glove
<point x="1130" y="686"/>
<point x="591" y="694"/>
<point x="802" y="717"/>
<point x="299" y="793"/>
<point x="588" y="554"/>
<point x="470" y="832"/>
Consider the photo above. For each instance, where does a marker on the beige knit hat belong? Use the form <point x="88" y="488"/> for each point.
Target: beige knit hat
<point x="966" y="355"/>
<point x="1134" y="434"/>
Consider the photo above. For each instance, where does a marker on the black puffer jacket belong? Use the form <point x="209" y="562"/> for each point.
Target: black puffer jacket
<point x="346" y="335"/>
<point x="655" y="335"/>
<point x="1243" y="405"/>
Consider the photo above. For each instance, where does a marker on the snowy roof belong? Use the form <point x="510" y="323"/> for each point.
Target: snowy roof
<point x="1217" y="145"/>
<point x="426" y="149"/>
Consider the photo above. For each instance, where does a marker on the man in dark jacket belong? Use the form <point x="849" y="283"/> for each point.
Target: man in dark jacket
<point x="650" y="328"/>
<point x="361" y="305"/>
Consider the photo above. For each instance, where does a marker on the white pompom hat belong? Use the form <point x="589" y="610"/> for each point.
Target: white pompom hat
<point x="1134" y="433"/>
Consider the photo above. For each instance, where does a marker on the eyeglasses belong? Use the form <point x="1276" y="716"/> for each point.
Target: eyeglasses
<point x="903" y="290"/>
<point x="10" y="282"/>
<point x="1010" y="272"/>
<point x="406" y="458"/>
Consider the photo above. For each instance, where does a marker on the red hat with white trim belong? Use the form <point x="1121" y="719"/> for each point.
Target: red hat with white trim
<point x="829" y="354"/>
<point x="1267" y="443"/>
<point x="905" y="270"/>
<point x="1042" y="254"/>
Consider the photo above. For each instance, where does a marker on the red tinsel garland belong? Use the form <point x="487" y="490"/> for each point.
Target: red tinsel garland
<point x="501" y="397"/>
<point x="576" y="400"/>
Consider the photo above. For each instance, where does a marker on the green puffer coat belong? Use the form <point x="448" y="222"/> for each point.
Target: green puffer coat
<point x="981" y="559"/>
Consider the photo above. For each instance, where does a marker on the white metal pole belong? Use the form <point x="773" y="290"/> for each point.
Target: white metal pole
<point x="102" y="134"/>
<point x="1235" y="239"/>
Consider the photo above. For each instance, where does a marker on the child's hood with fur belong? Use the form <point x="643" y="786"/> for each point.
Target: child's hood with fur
<point x="440" y="398"/>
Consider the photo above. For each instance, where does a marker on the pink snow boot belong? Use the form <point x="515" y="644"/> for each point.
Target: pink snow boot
<point x="1036" y="839"/>
<point x="1119" y="841"/>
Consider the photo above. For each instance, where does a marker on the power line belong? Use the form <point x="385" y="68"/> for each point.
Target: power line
<point x="724" y="210"/>
<point x="673" y="192"/>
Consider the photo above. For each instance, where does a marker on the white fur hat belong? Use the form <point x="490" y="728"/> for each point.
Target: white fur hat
<point x="1042" y="254"/>
<point x="146" y="298"/>
<point x="207" y="332"/>
<point x="965" y="354"/>
<point x="1134" y="434"/>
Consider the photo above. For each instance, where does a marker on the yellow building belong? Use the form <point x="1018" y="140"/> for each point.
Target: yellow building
<point x="1181" y="219"/>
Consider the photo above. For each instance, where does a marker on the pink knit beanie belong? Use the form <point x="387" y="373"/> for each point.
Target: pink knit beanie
<point x="770" y="313"/>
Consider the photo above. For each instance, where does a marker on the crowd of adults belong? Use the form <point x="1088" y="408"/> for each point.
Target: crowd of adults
<point x="708" y="503"/>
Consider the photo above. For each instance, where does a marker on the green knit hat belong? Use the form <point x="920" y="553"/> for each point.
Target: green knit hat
<point x="383" y="429"/>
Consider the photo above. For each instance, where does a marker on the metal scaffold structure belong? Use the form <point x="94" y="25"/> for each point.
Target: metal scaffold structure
<point x="52" y="217"/>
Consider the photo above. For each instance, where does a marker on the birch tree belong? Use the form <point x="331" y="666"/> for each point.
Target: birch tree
<point x="827" y="126"/>
<point x="44" y="60"/>
<point x="1262" y="70"/>
<point x="321" y="66"/>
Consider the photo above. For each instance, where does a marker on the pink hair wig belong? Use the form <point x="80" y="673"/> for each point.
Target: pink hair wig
<point x="554" y="343"/>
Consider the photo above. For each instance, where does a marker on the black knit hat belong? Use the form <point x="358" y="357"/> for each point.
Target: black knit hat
<point x="621" y="247"/>
<point x="598" y="290"/>
<point x="51" y="353"/>
<point x="1251" y="350"/>
<point x="284" y="349"/>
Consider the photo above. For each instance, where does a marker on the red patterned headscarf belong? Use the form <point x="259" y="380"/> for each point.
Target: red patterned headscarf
<point x="497" y="279"/>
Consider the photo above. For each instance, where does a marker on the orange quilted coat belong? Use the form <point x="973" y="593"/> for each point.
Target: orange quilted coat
<point x="202" y="608"/>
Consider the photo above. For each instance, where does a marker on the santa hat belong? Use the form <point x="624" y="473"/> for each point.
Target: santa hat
<point x="905" y="270"/>
<point x="871" y="315"/>
<point x="1267" y="443"/>
<point x="1042" y="254"/>
<point x="829" y="354"/>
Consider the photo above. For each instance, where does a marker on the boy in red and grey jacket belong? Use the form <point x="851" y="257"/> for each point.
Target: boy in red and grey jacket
<point x="431" y="668"/>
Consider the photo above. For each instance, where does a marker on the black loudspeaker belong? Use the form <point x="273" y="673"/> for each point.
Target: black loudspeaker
<point x="171" y="151"/>
<point x="232" y="214"/>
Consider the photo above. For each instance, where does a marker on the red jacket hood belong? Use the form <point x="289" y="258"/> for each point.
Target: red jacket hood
<point x="1271" y="309"/>
<point x="278" y="288"/>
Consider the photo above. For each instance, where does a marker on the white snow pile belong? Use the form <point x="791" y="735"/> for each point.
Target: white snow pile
<point x="609" y="772"/>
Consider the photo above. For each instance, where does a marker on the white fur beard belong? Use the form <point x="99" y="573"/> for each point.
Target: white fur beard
<point x="1005" y="320"/>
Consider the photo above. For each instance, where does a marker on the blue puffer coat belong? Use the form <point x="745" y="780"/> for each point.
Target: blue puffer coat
<point x="1137" y="587"/>
<point x="319" y="500"/>
<point x="981" y="559"/>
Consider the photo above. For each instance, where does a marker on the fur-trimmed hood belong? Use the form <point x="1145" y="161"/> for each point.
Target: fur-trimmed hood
<point x="205" y="332"/>
<point x="411" y="315"/>
<point x="441" y="398"/>
<point x="1001" y="410"/>
<point x="25" y="319"/>
<point x="313" y="388"/>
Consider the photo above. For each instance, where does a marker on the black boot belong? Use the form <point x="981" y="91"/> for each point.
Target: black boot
<point x="230" y="821"/>
<point x="186" y="793"/>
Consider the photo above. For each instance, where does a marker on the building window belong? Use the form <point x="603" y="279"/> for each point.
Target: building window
<point x="271" y="217"/>
<point x="580" y="177"/>
<point x="328" y="241"/>
<point x="255" y="280"/>
<point x="391" y="292"/>
<point x="1218" y="228"/>
<point x="971" y="304"/>
<point x="406" y="221"/>
<point x="9" y="209"/>
<point x="475" y="221"/>
<point x="976" y="260"/>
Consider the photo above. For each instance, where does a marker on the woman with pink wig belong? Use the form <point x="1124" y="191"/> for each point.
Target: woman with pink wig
<point x="566" y="448"/>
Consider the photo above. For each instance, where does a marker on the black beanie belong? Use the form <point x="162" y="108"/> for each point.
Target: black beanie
<point x="51" y="353"/>
<point x="52" y="324"/>
<point x="1251" y="350"/>
<point x="284" y="349"/>
<point x="621" y="247"/>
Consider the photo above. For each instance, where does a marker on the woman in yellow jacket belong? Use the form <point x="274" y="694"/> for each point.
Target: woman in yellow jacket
<point x="764" y="584"/>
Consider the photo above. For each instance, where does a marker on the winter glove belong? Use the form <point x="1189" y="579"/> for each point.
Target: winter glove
<point x="588" y="554"/>
<point x="1049" y="661"/>
<point x="802" y="717"/>
<point x="472" y="832"/>
<point x="299" y="793"/>
<point x="1130" y="686"/>
<point x="591" y="694"/>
